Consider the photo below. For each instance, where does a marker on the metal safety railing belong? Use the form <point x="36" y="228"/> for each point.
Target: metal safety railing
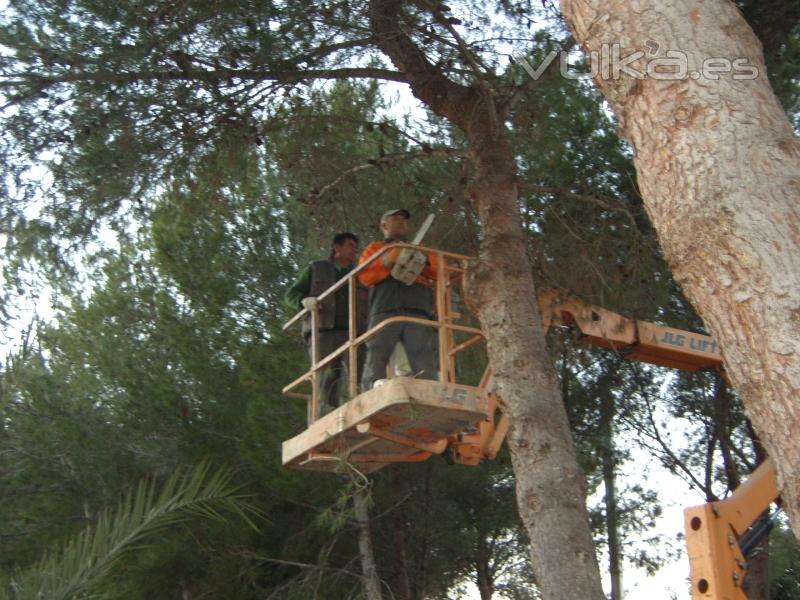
<point x="449" y="272"/>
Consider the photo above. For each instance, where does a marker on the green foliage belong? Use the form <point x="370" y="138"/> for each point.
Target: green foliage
<point x="784" y="565"/>
<point x="778" y="29"/>
<point x="92" y="555"/>
<point x="597" y="388"/>
<point x="589" y="232"/>
<point x="444" y="522"/>
<point x="146" y="374"/>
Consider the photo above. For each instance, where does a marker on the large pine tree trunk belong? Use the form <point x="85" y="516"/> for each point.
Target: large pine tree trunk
<point x="719" y="169"/>
<point x="551" y="487"/>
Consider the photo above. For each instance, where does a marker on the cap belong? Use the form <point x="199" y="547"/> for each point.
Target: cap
<point x="393" y="212"/>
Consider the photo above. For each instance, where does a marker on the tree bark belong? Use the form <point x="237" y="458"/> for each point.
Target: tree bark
<point x="719" y="170"/>
<point x="371" y="581"/>
<point x="551" y="487"/>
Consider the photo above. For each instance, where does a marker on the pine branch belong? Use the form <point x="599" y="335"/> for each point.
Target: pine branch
<point x="531" y="84"/>
<point x="447" y="98"/>
<point x="596" y="199"/>
<point x="388" y="159"/>
<point x="207" y="75"/>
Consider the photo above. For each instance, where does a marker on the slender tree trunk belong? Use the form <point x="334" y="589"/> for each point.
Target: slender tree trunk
<point x="719" y="169"/>
<point x="756" y="580"/>
<point x="551" y="487"/>
<point x="422" y="536"/>
<point x="722" y="425"/>
<point x="484" y="577"/>
<point x="609" y="482"/>
<point x="401" y="587"/>
<point x="371" y="581"/>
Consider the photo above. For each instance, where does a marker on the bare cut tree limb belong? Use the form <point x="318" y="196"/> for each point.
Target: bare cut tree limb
<point x="388" y="159"/>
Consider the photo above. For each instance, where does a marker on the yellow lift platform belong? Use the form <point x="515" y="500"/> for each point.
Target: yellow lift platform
<point x="408" y="420"/>
<point x="405" y="419"/>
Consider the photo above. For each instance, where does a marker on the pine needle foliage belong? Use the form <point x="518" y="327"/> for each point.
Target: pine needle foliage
<point x="75" y="569"/>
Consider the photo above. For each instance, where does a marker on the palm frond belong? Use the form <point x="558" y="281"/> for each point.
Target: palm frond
<point x="91" y="555"/>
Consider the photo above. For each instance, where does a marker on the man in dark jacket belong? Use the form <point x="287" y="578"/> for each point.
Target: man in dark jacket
<point x="333" y="311"/>
<point x="389" y="297"/>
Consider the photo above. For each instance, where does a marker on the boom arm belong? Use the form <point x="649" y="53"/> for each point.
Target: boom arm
<point x="636" y="340"/>
<point x="713" y="530"/>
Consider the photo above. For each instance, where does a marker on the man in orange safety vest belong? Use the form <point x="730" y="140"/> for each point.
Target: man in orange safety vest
<point x="390" y="297"/>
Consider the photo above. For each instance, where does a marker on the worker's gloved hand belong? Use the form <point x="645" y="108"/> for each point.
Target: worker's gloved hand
<point x="309" y="302"/>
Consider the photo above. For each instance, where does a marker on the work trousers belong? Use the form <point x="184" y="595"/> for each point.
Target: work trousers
<point x="420" y="342"/>
<point x="333" y="378"/>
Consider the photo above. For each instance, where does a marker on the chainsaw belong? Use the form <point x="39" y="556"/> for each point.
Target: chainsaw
<point x="410" y="262"/>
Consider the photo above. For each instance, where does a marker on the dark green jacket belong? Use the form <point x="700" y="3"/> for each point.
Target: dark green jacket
<point x="334" y="312"/>
<point x="304" y="286"/>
